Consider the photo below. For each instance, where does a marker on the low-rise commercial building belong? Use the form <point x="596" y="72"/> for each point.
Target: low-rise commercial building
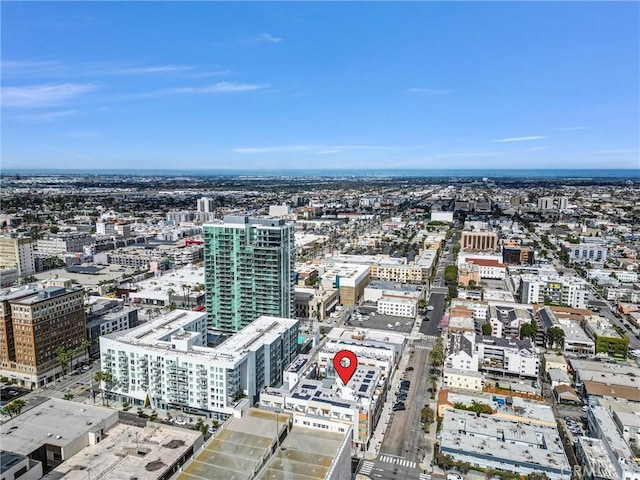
<point x="489" y="442"/>
<point x="607" y="339"/>
<point x="56" y="430"/>
<point x="622" y="458"/>
<point x="397" y="305"/>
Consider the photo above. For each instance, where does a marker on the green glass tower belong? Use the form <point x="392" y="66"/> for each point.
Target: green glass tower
<point x="249" y="270"/>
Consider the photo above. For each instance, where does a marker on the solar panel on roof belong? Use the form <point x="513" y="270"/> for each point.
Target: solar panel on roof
<point x="363" y="388"/>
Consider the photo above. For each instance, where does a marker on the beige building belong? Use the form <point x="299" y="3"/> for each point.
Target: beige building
<point x="17" y="253"/>
<point x="464" y="379"/>
<point x="34" y="322"/>
<point x="349" y="278"/>
<point x="315" y="303"/>
<point x="551" y="360"/>
<point x="479" y="241"/>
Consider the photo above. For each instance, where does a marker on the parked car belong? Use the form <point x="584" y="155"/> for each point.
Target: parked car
<point x="410" y="369"/>
<point x="399" y="406"/>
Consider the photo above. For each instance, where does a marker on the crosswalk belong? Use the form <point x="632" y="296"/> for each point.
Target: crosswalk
<point x="397" y="461"/>
<point x="424" y="476"/>
<point x="366" y="467"/>
<point x="424" y="347"/>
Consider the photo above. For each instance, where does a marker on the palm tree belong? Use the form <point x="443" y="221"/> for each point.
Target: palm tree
<point x="433" y="382"/>
<point x="14" y="407"/>
<point x="106" y="378"/>
<point x="63" y="356"/>
<point x="86" y="344"/>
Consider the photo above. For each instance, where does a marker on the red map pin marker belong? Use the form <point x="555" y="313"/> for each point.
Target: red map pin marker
<point x="345" y="362"/>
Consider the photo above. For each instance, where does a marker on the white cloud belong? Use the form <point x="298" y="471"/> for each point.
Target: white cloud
<point x="269" y="38"/>
<point x="151" y="69"/>
<point x="45" y="116"/>
<point x="278" y="149"/>
<point x="570" y="129"/>
<point x="43" y="95"/>
<point x="316" y="149"/>
<point x="430" y="91"/>
<point x="220" y="87"/>
<point x="466" y="154"/>
<point x="517" y="139"/>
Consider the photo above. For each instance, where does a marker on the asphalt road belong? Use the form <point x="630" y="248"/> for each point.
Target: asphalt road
<point x="430" y="326"/>
<point x="398" y="436"/>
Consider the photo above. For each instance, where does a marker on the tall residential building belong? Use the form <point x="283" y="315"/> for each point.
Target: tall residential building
<point x="206" y="204"/>
<point x="17" y="253"/>
<point x="249" y="270"/>
<point x="167" y="362"/>
<point x="34" y="322"/>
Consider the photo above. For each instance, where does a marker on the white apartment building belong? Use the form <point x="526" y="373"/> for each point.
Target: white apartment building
<point x="586" y="252"/>
<point x="464" y="379"/>
<point x="397" y="305"/>
<point x="63" y="242"/>
<point x="623" y="276"/>
<point x="205" y="204"/>
<point x="168" y="364"/>
<point x="279" y="210"/>
<point x="355" y="406"/>
<point x="554" y="289"/>
<point x="492" y="354"/>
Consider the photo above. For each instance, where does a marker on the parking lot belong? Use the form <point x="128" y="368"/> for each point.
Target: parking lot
<point x="10" y="393"/>
<point x="367" y="317"/>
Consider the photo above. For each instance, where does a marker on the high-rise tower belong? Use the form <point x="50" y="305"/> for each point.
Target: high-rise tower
<point x="249" y="270"/>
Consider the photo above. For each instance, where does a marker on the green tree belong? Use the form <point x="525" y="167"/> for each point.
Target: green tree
<point x="433" y="382"/>
<point x="451" y="274"/>
<point x="486" y="329"/>
<point x="14" y="407"/>
<point x="68" y="396"/>
<point x="63" y="357"/>
<point x="427" y="415"/>
<point x="538" y="476"/>
<point x="105" y="378"/>
<point x="527" y="331"/>
<point x="437" y="357"/>
<point x="86" y="345"/>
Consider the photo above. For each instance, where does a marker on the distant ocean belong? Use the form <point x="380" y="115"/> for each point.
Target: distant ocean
<point x="350" y="173"/>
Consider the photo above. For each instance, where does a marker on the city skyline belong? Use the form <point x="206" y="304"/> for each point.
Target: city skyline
<point x="321" y="85"/>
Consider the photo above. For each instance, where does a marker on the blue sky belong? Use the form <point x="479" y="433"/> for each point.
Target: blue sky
<point x="200" y="85"/>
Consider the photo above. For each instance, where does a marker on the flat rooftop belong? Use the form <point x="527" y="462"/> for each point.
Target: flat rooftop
<point x="188" y="276"/>
<point x="604" y="367"/>
<point x="116" y="457"/>
<point x="109" y="272"/>
<point x="158" y="334"/>
<point x="51" y="419"/>
<point x="596" y="452"/>
<point x="307" y="453"/>
<point x="238" y="449"/>
<point x="530" y="444"/>
<point x="531" y="412"/>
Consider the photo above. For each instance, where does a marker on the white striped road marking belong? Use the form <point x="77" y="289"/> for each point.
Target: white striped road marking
<point x="366" y="468"/>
